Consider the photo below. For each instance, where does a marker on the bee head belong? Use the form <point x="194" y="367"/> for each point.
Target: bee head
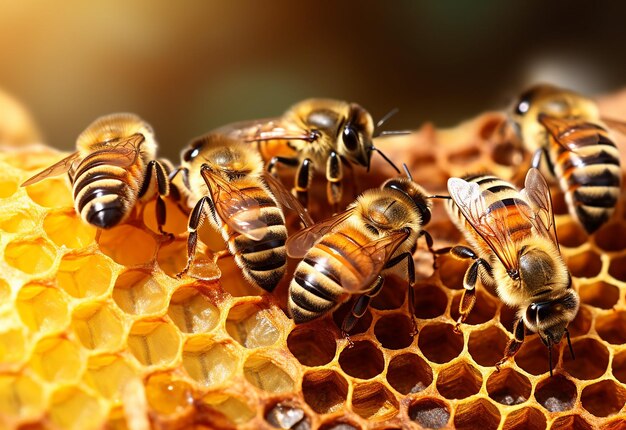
<point x="355" y="136"/>
<point x="550" y="318"/>
<point x="194" y="149"/>
<point x="415" y="193"/>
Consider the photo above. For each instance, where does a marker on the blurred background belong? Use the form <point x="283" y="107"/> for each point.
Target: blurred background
<point x="189" y="67"/>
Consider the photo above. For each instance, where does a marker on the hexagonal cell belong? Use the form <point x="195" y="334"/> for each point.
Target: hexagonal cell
<point x="57" y="359"/>
<point x="192" y="310"/>
<point x="231" y="411"/>
<point x="464" y="156"/>
<point x="325" y="391"/>
<point x="484" y="310"/>
<point x="128" y="245"/>
<point x="599" y="294"/>
<point x="84" y="276"/>
<point x="451" y="271"/>
<point x="8" y="187"/>
<point x="459" y="380"/>
<point x="477" y="414"/>
<point x="612" y="327"/>
<point x="570" y="234"/>
<point x="362" y="325"/>
<point x="14" y="221"/>
<point x="558" y="202"/>
<point x="51" y="193"/>
<point x="154" y="342"/>
<point x="584" y="265"/>
<point x="430" y="301"/>
<point x="252" y="325"/>
<point x="430" y="413"/>
<point x="619" y="367"/>
<point x="571" y="422"/>
<point x="175" y="222"/>
<point x="98" y="326"/>
<point x="525" y="419"/>
<point x="209" y="363"/>
<point x="487" y="346"/>
<point x="392" y="295"/>
<point x="508" y="317"/>
<point x="284" y="415"/>
<point x="168" y="395"/>
<point x="507" y="154"/>
<point x="604" y="398"/>
<point x="137" y="292"/>
<point x="312" y="346"/>
<point x="556" y="393"/>
<point x="263" y="372"/>
<point x="41" y="308"/>
<point x="373" y="401"/>
<point x="362" y="360"/>
<point x="21" y="396"/>
<point x="394" y="331"/>
<point x="617" y="268"/>
<point x="533" y="356"/>
<point x="109" y="375"/>
<point x="592" y="359"/>
<point x="340" y="424"/>
<point x="409" y="373"/>
<point x="12" y="346"/>
<point x="73" y="408"/>
<point x="439" y="343"/>
<point x="65" y="228"/>
<point x="610" y="236"/>
<point x="30" y="256"/>
<point x="582" y="323"/>
<point x="508" y="387"/>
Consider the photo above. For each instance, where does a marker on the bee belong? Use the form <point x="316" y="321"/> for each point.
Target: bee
<point x="349" y="253"/>
<point x="114" y="166"/>
<point x="322" y="135"/>
<point x="565" y="129"/>
<point x="225" y="180"/>
<point x="517" y="252"/>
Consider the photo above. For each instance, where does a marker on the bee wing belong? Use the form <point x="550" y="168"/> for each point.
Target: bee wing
<point x="286" y="199"/>
<point x="126" y="150"/>
<point x="615" y="124"/>
<point x="56" y="169"/>
<point x="299" y="243"/>
<point x="372" y="258"/>
<point x="237" y="209"/>
<point x="556" y="127"/>
<point x="265" y="129"/>
<point x="537" y="193"/>
<point x="489" y="220"/>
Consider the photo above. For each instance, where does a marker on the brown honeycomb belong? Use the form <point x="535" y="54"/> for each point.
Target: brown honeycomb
<point x="96" y="332"/>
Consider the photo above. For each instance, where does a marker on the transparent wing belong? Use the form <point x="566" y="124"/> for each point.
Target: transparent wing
<point x="56" y="169"/>
<point x="489" y="221"/>
<point x="556" y="127"/>
<point x="122" y="152"/>
<point x="286" y="199"/>
<point x="299" y="243"/>
<point x="265" y="129"/>
<point x="237" y="208"/>
<point x="537" y="193"/>
<point x="366" y="262"/>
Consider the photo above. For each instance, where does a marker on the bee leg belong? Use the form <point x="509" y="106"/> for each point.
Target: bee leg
<point x="334" y="181"/>
<point x="542" y="154"/>
<point x="304" y="177"/>
<point x="429" y="243"/>
<point x="515" y="344"/>
<point x="410" y="268"/>
<point x="359" y="307"/>
<point x="271" y="166"/>
<point x="163" y="189"/>
<point x="195" y="220"/>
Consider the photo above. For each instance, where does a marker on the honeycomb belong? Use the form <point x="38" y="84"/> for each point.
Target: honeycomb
<point x="97" y="332"/>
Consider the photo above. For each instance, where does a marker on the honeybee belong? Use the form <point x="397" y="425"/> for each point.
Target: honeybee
<point x="566" y="130"/>
<point x="517" y="252"/>
<point x="349" y="253"/>
<point x="114" y="166"/>
<point x="225" y="181"/>
<point x="314" y="135"/>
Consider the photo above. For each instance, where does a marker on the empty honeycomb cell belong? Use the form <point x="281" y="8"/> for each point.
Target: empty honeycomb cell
<point x="262" y="372"/>
<point x="439" y="343"/>
<point x="373" y="401"/>
<point x="582" y="323"/>
<point x="167" y="395"/>
<point x="83" y="276"/>
<point x="525" y="419"/>
<point x="98" y="326"/>
<point x="409" y="373"/>
<point x="507" y="154"/>
<point x="459" y="380"/>
<point x="430" y="413"/>
<point x="192" y="310"/>
<point x="430" y="301"/>
<point x="533" y="356"/>
<point x="12" y="345"/>
<point x="619" y="366"/>
<point x="362" y="325"/>
<point x="339" y="424"/>
<point x="395" y="331"/>
<point x="128" y="245"/>
<point x="51" y="193"/>
<point x="325" y="391"/>
<point x="570" y="234"/>
<point x="451" y="271"/>
<point x="287" y="416"/>
<point x="571" y="422"/>
<point x="154" y="342"/>
<point x="21" y="396"/>
<point x="17" y="221"/>
<point x="109" y="374"/>
<point x="612" y="327"/>
<point x="65" y="228"/>
<point x="584" y="265"/>
<point x="556" y="393"/>
<point x="57" y="359"/>
<point x="487" y="346"/>
<point x="617" y="268"/>
<point x="604" y="398"/>
<point x="362" y="360"/>
<point x="231" y="410"/>
<point x="465" y="156"/>
<point x="558" y="202"/>
<point x="611" y="236"/>
<point x="484" y="310"/>
<point x="208" y="363"/>
<point x="591" y="363"/>
<point x="137" y="292"/>
<point x="599" y="294"/>
<point x="508" y="387"/>
<point x="8" y="187"/>
<point x="73" y="408"/>
<point x="392" y="295"/>
<point x="477" y="414"/>
<point x="252" y="325"/>
<point x="175" y="220"/>
<point x="312" y="347"/>
<point x="41" y="308"/>
<point x="32" y="256"/>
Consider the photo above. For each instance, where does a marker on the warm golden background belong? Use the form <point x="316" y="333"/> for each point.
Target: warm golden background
<point x="188" y="67"/>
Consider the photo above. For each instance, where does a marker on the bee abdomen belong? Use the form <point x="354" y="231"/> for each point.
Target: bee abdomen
<point x="311" y="292"/>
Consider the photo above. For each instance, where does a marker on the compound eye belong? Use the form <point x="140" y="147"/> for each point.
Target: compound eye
<point x="190" y="154"/>
<point x="350" y="138"/>
<point x="522" y="107"/>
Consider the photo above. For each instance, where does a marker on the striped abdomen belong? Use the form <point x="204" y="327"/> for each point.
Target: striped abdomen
<point x="316" y="285"/>
<point x="589" y="173"/>
<point x="262" y="262"/>
<point x="105" y="188"/>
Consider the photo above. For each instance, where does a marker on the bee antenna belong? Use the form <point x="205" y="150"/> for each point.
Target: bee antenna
<point x="406" y="170"/>
<point x="373" y="148"/>
<point x="569" y="343"/>
<point x="393" y="133"/>
<point x="386" y="117"/>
